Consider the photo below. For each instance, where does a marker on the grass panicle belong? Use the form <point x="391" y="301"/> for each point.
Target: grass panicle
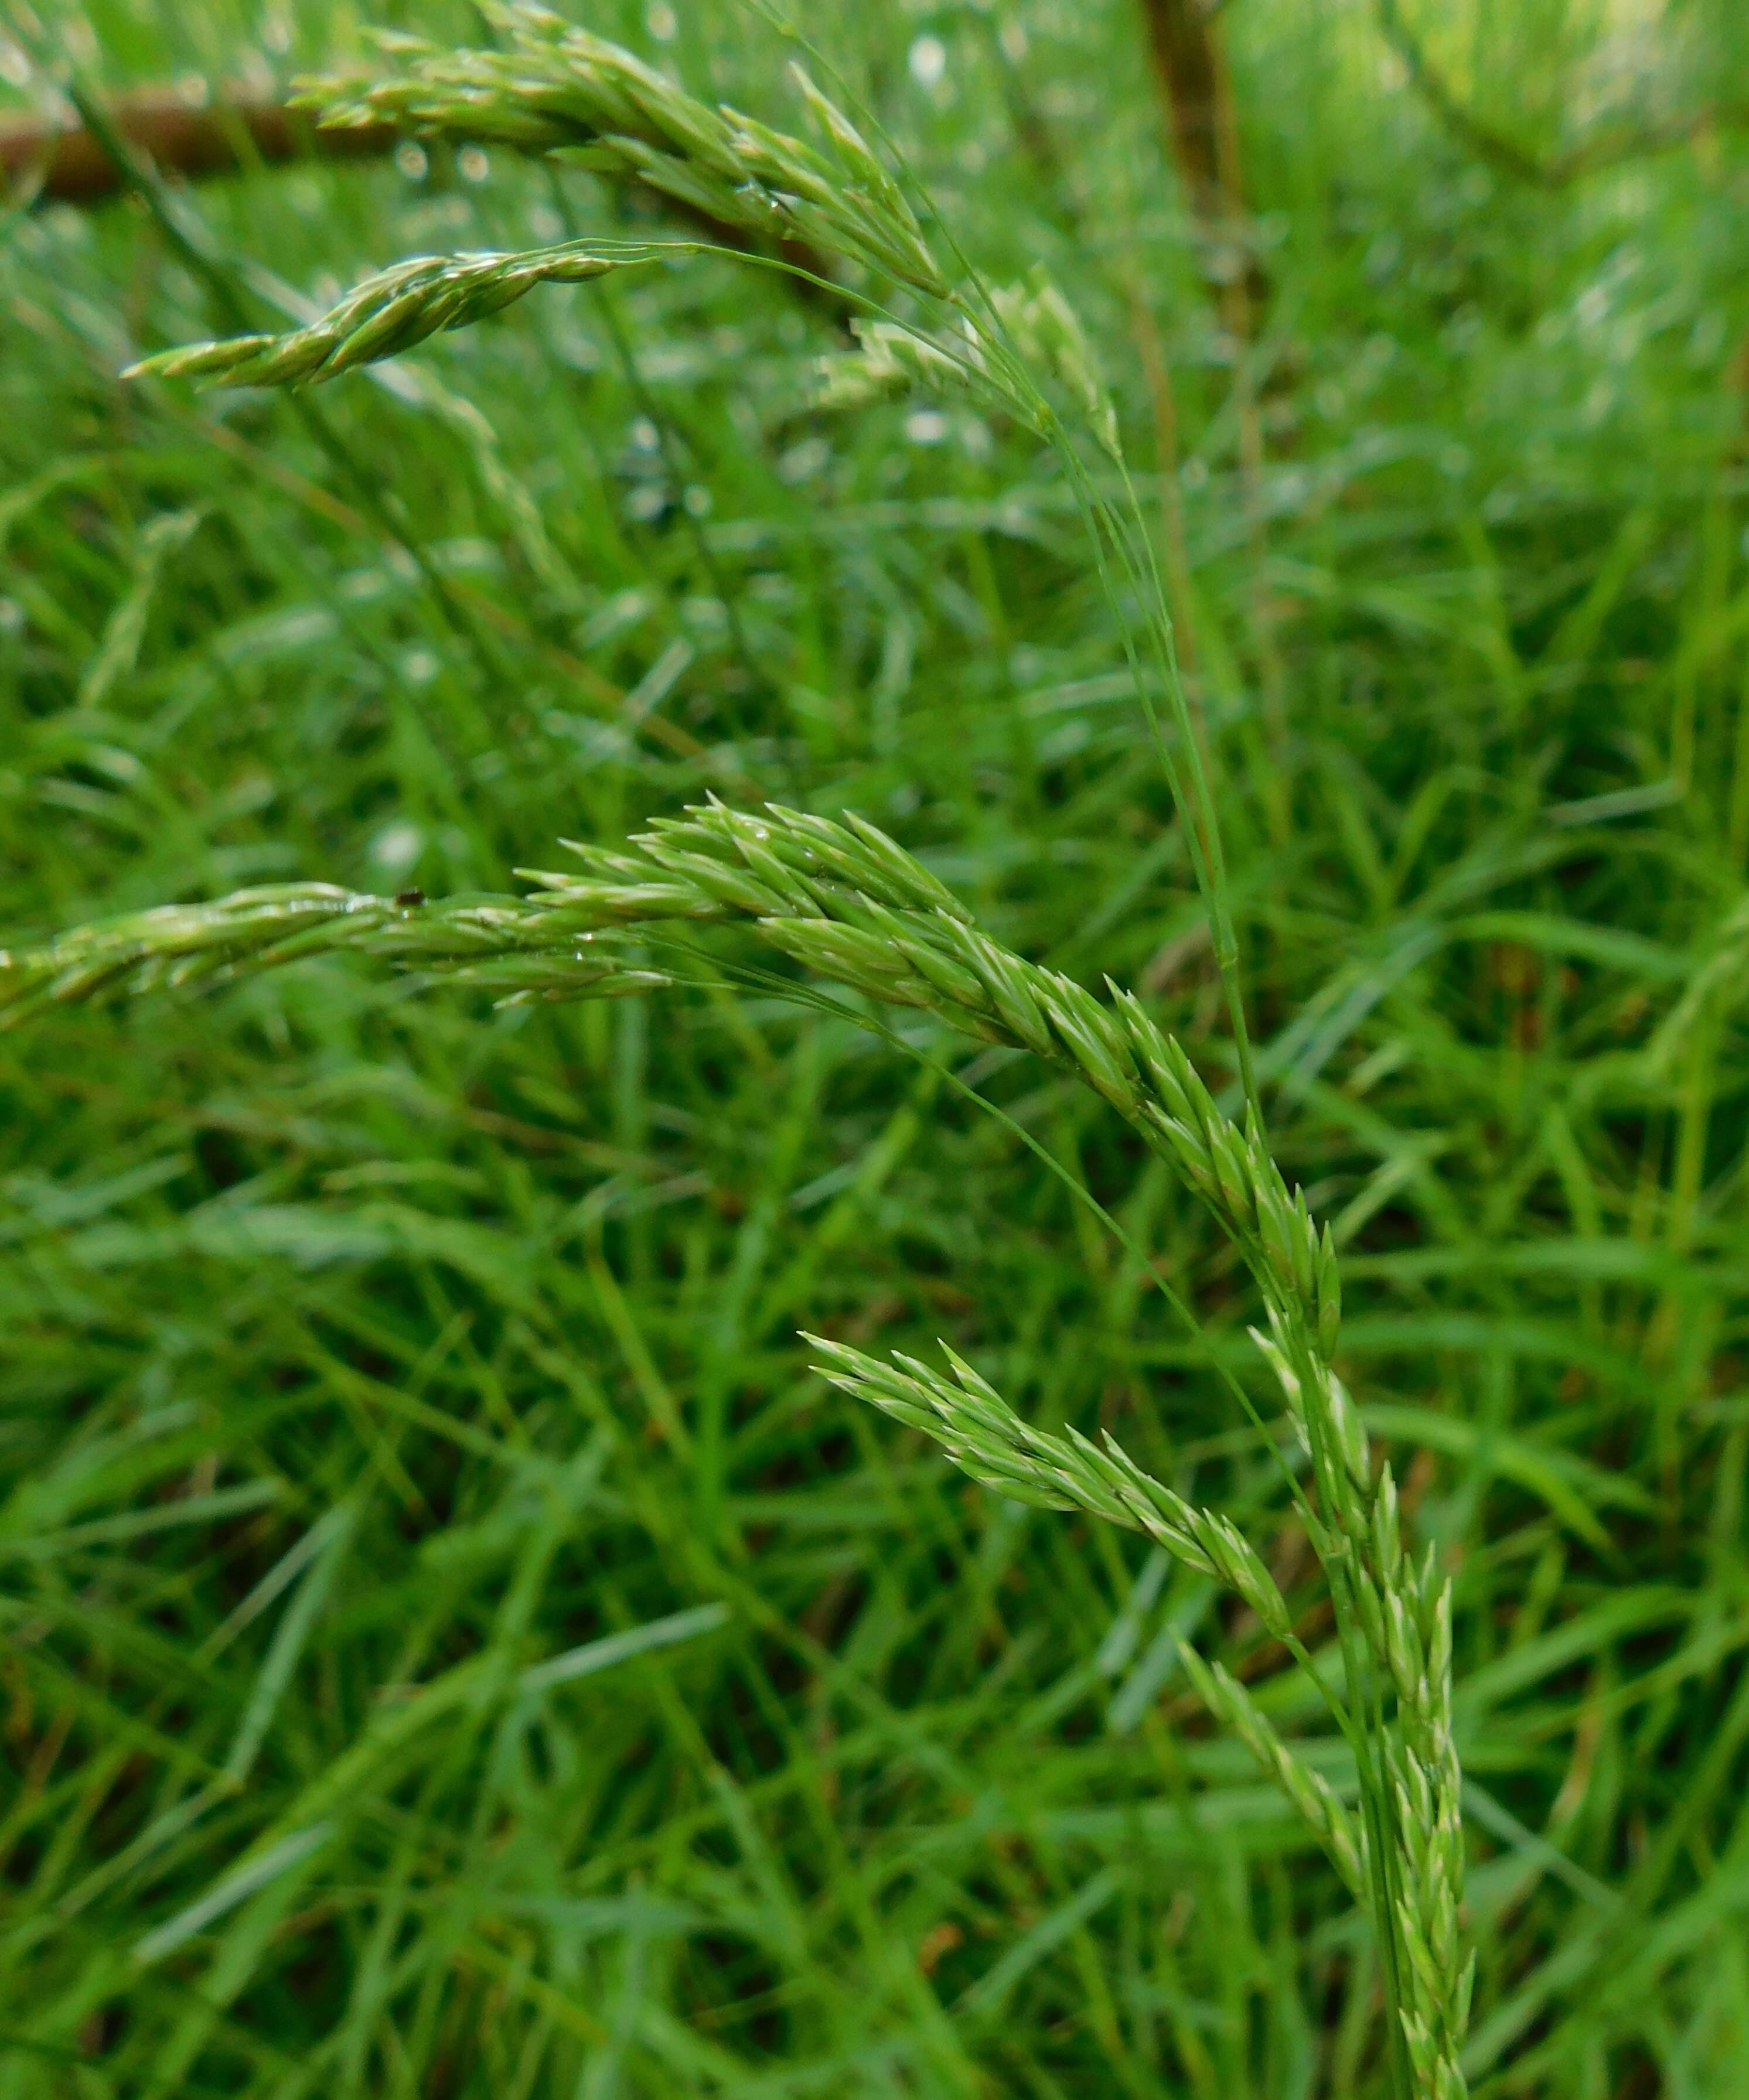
<point x="380" y="1367"/>
<point x="557" y="90"/>
<point x="845" y="903"/>
<point x="848" y="904"/>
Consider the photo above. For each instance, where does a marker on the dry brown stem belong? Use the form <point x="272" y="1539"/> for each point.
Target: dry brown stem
<point x="1196" y="88"/>
<point x="66" y="163"/>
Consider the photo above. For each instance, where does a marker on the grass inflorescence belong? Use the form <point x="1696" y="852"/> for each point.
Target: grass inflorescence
<point x="556" y="85"/>
<point x="455" y="1637"/>
<point x="847" y="903"/>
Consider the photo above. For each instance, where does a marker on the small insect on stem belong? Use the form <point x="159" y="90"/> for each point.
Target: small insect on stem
<point x="409" y="898"/>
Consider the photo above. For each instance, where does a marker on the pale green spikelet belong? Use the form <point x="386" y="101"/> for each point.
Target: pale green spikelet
<point x="503" y="944"/>
<point x="1038" y="342"/>
<point x="893" y="360"/>
<point x="986" y="1438"/>
<point x="1309" y="1791"/>
<point x="385" y="315"/>
<point x="177" y="943"/>
<point x="1047" y="335"/>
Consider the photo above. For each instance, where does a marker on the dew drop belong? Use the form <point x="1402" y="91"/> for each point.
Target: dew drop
<point x="928" y="61"/>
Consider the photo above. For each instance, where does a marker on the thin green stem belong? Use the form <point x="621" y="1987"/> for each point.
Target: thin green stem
<point x="1192" y="795"/>
<point x="1150" y="589"/>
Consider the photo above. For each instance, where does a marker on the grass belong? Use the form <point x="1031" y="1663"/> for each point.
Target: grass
<point x="384" y="1373"/>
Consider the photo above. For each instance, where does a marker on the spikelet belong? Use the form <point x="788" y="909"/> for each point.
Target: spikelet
<point x="385" y="315"/>
<point x="1335" y="1828"/>
<point x="987" y="1439"/>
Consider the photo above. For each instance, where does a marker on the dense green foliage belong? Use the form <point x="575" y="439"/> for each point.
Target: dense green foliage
<point x="415" y="1489"/>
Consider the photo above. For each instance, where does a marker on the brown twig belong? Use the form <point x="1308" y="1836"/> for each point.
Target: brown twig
<point x="65" y="163"/>
<point x="1196" y="89"/>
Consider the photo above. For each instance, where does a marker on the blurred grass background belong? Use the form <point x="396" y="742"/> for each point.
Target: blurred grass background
<point x="450" y="1644"/>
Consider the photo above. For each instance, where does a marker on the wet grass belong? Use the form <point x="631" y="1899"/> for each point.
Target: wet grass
<point x="417" y="1490"/>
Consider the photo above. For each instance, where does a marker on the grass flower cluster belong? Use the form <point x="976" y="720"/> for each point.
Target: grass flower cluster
<point x="383" y="1369"/>
<point x="557" y="90"/>
<point x="849" y="904"/>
